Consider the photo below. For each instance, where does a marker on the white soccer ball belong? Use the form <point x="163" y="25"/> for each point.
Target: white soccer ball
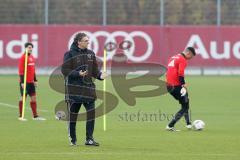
<point x="60" y="115"/>
<point x="198" y="125"/>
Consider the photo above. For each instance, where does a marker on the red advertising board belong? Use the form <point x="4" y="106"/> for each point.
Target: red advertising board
<point x="215" y="46"/>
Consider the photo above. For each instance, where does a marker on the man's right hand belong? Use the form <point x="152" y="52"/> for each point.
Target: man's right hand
<point x="184" y="85"/>
<point x="83" y="73"/>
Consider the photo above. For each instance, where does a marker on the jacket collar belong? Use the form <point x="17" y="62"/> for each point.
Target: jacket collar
<point x="183" y="55"/>
<point x="75" y="48"/>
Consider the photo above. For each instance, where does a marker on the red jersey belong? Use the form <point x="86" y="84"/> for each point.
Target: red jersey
<point x="175" y="69"/>
<point x="30" y="67"/>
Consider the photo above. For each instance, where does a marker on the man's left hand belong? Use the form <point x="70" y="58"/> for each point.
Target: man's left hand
<point x="104" y="75"/>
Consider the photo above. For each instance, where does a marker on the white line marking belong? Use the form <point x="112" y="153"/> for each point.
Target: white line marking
<point x="16" y="107"/>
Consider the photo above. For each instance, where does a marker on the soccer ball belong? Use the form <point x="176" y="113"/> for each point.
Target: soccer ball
<point x="198" y="125"/>
<point x="60" y="115"/>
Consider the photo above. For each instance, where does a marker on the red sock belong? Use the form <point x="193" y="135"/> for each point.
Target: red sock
<point x="34" y="108"/>
<point x="20" y="108"/>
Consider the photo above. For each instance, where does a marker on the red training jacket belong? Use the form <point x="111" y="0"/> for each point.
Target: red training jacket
<point x="175" y="69"/>
<point x="30" y="67"/>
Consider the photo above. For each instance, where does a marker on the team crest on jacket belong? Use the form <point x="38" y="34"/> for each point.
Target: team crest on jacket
<point x="89" y="56"/>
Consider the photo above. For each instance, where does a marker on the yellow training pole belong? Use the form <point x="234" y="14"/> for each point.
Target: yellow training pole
<point x="104" y="89"/>
<point x="24" y="83"/>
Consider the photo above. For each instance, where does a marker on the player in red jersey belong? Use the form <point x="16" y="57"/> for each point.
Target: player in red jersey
<point x="31" y="83"/>
<point x="177" y="87"/>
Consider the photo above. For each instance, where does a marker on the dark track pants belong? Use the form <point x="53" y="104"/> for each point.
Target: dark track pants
<point x="184" y="101"/>
<point x="90" y="121"/>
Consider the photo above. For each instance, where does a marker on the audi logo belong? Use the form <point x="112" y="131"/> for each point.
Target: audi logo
<point x="128" y="44"/>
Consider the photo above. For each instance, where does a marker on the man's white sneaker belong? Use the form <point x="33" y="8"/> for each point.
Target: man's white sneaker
<point x="39" y="118"/>
<point x="73" y="144"/>
<point x="22" y="119"/>
<point x="171" y="129"/>
<point x="189" y="126"/>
